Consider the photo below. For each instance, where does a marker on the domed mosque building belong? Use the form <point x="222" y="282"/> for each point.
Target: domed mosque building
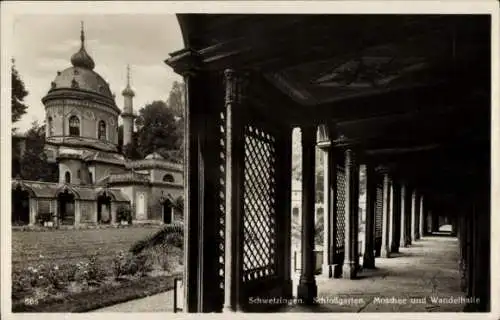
<point x="96" y="182"/>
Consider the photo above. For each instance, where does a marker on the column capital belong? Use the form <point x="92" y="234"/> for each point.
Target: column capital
<point x="326" y="133"/>
<point x="186" y="62"/>
<point x="236" y="82"/>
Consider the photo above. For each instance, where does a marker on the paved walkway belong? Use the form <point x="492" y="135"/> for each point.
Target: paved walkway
<point x="404" y="283"/>
<point x="162" y="302"/>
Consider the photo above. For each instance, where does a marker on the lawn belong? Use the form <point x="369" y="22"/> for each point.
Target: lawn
<point x="81" y="270"/>
<point x="35" y="247"/>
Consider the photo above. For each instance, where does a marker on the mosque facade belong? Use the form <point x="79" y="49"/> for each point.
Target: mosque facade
<point x="96" y="184"/>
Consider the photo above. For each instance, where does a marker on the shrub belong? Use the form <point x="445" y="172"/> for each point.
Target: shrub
<point x="57" y="278"/>
<point x="123" y="213"/>
<point x="172" y="234"/>
<point x="129" y="264"/>
<point x="90" y="272"/>
<point x="43" y="217"/>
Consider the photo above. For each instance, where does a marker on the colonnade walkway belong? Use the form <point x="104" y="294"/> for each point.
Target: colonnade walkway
<point x="426" y="270"/>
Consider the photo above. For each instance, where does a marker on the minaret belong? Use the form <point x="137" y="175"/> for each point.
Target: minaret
<point x="128" y="114"/>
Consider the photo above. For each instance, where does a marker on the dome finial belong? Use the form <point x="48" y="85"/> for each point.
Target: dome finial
<point x="82" y="59"/>
<point x="82" y="34"/>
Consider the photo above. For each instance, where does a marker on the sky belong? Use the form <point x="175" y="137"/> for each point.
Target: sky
<point x="43" y="44"/>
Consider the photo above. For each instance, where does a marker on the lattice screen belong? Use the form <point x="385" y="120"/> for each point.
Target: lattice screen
<point x="259" y="220"/>
<point x="379" y="200"/>
<point x="340" y="208"/>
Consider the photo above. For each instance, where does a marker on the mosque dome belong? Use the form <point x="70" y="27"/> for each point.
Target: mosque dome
<point x="81" y="80"/>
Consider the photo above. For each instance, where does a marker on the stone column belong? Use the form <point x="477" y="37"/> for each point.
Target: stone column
<point x="33" y="211"/>
<point x="403" y="241"/>
<point x="329" y="215"/>
<point x="393" y="226"/>
<point x="55" y="210"/>
<point x="234" y="190"/>
<point x="351" y="257"/>
<point x="414" y="199"/>
<point x="371" y="190"/>
<point x="307" y="289"/>
<point x="420" y="231"/>
<point x="77" y="213"/>
<point x="414" y="213"/>
<point x="113" y="206"/>
<point x="386" y="217"/>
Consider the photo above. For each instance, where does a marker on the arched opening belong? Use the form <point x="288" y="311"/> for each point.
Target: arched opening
<point x="66" y="207"/>
<point x="168" y="212"/>
<point x="168" y="178"/>
<point x="20" y="207"/>
<point x="67" y="177"/>
<point x="104" y="209"/>
<point x="102" y="130"/>
<point x="74" y="126"/>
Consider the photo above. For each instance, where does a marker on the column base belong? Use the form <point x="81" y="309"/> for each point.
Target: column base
<point x="385" y="253"/>
<point x="227" y="309"/>
<point x="349" y="270"/>
<point x="307" y="291"/>
<point x="327" y="271"/>
<point x="403" y="244"/>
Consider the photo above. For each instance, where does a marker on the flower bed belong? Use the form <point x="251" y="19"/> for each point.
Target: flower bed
<point x="93" y="283"/>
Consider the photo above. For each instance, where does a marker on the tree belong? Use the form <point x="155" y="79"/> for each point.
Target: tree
<point x="17" y="95"/>
<point x="176" y="99"/>
<point x="157" y="130"/>
<point x="131" y="150"/>
<point x="34" y="164"/>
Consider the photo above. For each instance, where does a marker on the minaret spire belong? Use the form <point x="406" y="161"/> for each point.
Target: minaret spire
<point x="128" y="75"/>
<point x="128" y="111"/>
<point x="128" y="92"/>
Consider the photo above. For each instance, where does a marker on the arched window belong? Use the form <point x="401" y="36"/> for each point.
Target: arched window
<point x="67" y="177"/>
<point x="74" y="126"/>
<point x="102" y="130"/>
<point x="168" y="178"/>
<point x="50" y="126"/>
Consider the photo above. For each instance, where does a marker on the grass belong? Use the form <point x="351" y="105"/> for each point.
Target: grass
<point x="67" y="247"/>
<point x="58" y="246"/>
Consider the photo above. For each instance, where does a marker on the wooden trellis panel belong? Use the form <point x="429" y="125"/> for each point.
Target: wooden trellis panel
<point x="259" y="204"/>
<point x="340" y="194"/>
<point x="379" y="211"/>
